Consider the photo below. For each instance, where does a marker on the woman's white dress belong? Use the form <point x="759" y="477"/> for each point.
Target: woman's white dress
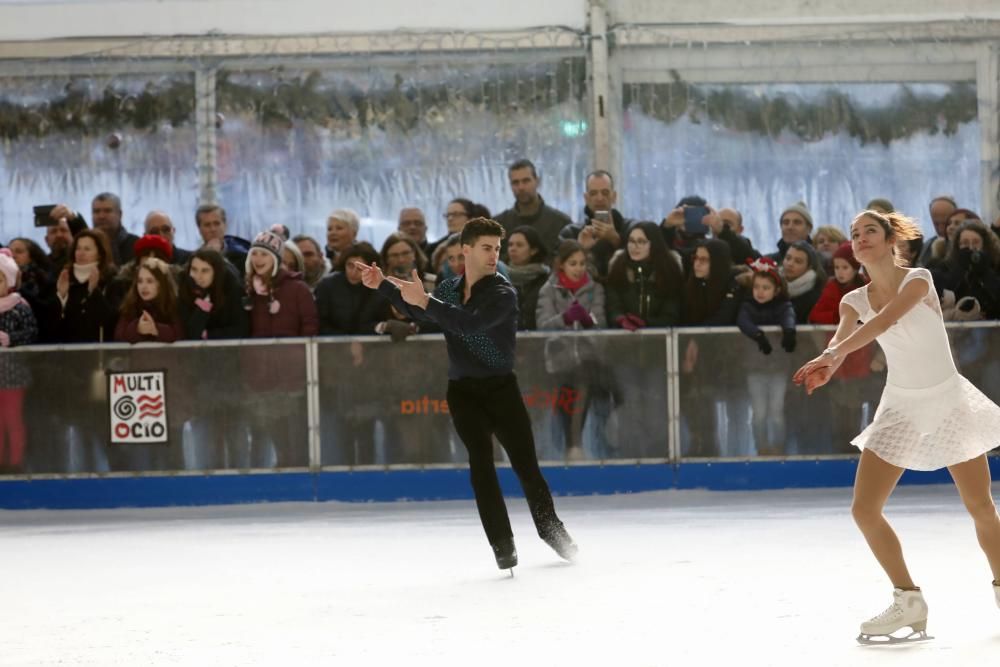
<point x="929" y="416"/>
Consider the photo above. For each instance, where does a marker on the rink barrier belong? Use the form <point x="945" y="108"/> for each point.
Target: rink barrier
<point x="393" y="482"/>
<point x="396" y="485"/>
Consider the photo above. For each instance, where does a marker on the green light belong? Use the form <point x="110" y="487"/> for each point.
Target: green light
<point x="574" y="128"/>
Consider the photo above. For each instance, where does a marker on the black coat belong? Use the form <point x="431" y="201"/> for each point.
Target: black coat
<point x="86" y="317"/>
<point x="346" y="309"/>
<point x="228" y="320"/>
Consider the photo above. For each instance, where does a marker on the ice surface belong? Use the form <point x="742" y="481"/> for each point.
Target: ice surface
<point x="673" y="578"/>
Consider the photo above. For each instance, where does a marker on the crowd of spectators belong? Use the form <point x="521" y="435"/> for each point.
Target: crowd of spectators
<point x="98" y="282"/>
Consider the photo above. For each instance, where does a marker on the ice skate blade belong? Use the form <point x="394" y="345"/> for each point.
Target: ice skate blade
<point x="888" y="640"/>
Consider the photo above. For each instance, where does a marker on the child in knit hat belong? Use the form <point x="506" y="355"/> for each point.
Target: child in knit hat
<point x="767" y="379"/>
<point x="17" y="327"/>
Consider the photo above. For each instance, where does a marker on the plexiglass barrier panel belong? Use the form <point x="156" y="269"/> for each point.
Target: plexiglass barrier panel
<point x="241" y="407"/>
<point x="737" y="402"/>
<point x="589" y="397"/>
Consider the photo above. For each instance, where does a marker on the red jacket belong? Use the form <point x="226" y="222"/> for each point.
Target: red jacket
<point x="296" y="314"/>
<point x="279" y="368"/>
<point x="827" y="311"/>
<point x="167" y="330"/>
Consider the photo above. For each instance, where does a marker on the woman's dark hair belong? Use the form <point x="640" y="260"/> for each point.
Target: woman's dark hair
<point x="991" y="245"/>
<point x="105" y="260"/>
<point x="567" y="249"/>
<point x="38" y="257"/>
<point x="815" y="263"/>
<point x="471" y="208"/>
<point x="539" y="255"/>
<point x="700" y="303"/>
<point x="666" y="270"/>
<point x="361" y="250"/>
<point x="221" y="275"/>
<point x="166" y="296"/>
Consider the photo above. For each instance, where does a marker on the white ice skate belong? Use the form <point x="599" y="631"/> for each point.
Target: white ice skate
<point x="908" y="610"/>
<point x="996" y="592"/>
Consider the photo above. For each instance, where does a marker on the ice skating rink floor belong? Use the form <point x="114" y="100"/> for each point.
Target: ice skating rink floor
<point x="673" y="578"/>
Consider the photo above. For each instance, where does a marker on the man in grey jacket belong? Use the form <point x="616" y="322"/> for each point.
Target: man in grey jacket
<point x="530" y="209"/>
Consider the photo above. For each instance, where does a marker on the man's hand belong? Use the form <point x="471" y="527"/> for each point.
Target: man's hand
<point x="412" y="290"/>
<point x="675" y="218"/>
<point x="371" y="276"/>
<point x="61" y="212"/>
<point x="605" y="231"/>
<point x="713" y="221"/>
<point x="587" y="237"/>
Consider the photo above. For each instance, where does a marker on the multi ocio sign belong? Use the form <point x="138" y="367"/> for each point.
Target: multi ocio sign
<point x="138" y="407"/>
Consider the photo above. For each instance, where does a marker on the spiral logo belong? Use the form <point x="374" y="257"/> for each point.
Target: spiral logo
<point x="124" y="408"/>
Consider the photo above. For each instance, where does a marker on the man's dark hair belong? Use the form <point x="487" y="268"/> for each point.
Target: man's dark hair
<point x="111" y="197"/>
<point x="523" y="164"/>
<point x="208" y="208"/>
<point x="597" y="173"/>
<point x="361" y="250"/>
<point x="480" y="227"/>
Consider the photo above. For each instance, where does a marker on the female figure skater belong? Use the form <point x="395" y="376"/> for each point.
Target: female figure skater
<point x="929" y="416"/>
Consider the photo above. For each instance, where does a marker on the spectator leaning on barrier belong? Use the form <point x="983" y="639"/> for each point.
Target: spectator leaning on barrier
<point x="711" y="294"/>
<point x="17" y="327"/>
<point x="530" y="209"/>
<point x="528" y="270"/>
<point x="645" y="281"/>
<point x="210" y="301"/>
<point x="149" y="312"/>
<point x="571" y="300"/>
<point x="346" y="307"/>
<point x="37" y="285"/>
<point x="711" y="298"/>
<point x="279" y="304"/>
<point x="275" y="378"/>
<point x="85" y="312"/>
<point x="767" y="380"/>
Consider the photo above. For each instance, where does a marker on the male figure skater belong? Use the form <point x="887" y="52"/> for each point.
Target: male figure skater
<point x="478" y="313"/>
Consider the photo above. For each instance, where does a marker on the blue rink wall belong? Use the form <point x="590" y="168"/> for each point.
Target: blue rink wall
<point x="428" y="484"/>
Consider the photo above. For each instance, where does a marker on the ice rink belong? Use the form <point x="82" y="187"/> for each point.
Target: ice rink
<point x="673" y="578"/>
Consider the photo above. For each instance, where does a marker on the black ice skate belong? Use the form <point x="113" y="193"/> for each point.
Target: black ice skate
<point x="560" y="541"/>
<point x="506" y="555"/>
